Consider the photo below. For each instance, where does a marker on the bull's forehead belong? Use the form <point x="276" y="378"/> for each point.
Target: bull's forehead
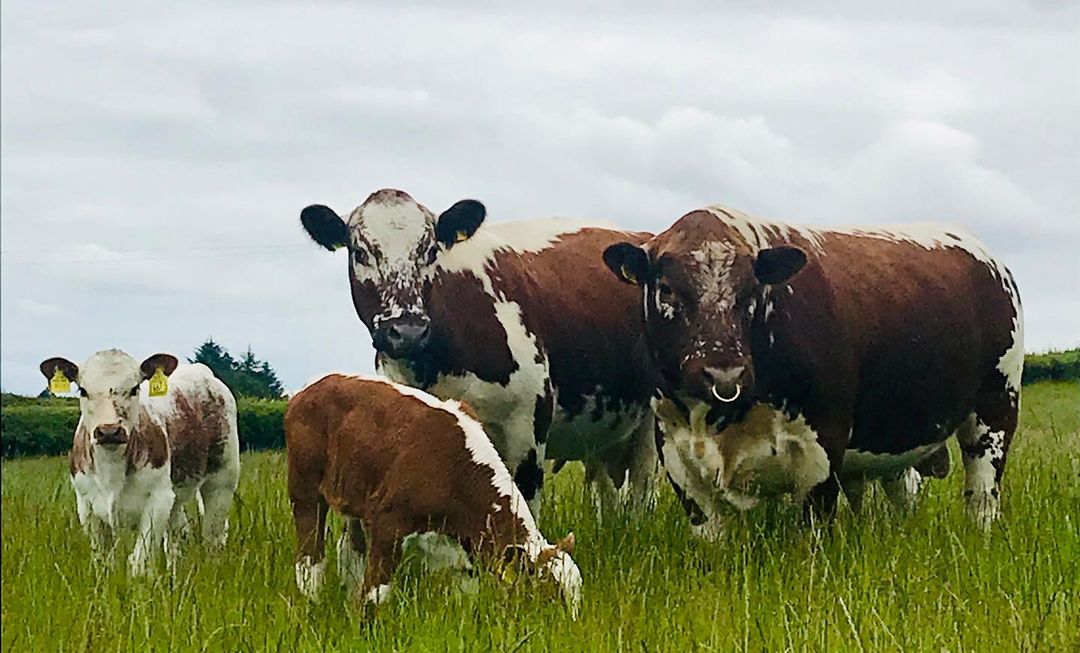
<point x="391" y="223"/>
<point x="111" y="369"/>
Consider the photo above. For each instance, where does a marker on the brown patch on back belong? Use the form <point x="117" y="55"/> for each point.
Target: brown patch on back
<point x="196" y="435"/>
<point x="589" y="322"/>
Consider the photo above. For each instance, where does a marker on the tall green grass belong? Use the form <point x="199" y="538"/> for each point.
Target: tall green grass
<point x="881" y="581"/>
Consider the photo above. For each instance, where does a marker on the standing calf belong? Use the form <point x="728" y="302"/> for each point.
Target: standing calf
<point x="397" y="461"/>
<point x="137" y="459"/>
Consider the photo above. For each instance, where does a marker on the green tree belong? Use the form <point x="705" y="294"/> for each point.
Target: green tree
<point x="247" y="376"/>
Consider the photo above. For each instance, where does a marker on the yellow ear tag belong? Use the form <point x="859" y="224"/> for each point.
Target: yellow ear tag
<point x="59" y="383"/>
<point x="159" y="384"/>
<point x="461" y="235"/>
<point x="629" y="276"/>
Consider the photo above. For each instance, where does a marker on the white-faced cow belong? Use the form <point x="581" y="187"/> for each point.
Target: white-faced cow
<point x="802" y="360"/>
<point x="518" y="319"/>
<point x="396" y="461"/>
<point x="136" y="460"/>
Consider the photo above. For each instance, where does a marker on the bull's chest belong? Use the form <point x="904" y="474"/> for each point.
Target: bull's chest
<point x="765" y="454"/>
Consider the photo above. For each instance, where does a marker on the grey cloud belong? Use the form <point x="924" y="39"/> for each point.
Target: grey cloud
<point x="162" y="154"/>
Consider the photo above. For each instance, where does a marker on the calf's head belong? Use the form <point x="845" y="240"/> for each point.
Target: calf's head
<point x="109" y="390"/>
<point x="394" y="244"/>
<point x="552" y="564"/>
<point x="701" y="290"/>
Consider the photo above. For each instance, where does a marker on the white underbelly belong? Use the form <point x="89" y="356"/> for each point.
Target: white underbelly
<point x="879" y="465"/>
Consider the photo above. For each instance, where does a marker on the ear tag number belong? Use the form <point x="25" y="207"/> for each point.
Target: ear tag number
<point x="59" y="383"/>
<point x="159" y="384"/>
<point x="460" y="236"/>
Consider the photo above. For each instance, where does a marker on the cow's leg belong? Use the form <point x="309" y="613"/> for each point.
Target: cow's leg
<point x="96" y="529"/>
<point x="179" y="524"/>
<point x="854" y="488"/>
<point x="216" y="498"/>
<point x="384" y="554"/>
<point x="352" y="555"/>
<point x="309" y="518"/>
<point x="903" y="490"/>
<point x="601" y="487"/>
<point x="984" y="441"/>
<point x="153" y="523"/>
<point x="633" y="467"/>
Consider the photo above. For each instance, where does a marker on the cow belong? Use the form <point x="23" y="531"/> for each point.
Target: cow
<point x="806" y="360"/>
<point x="396" y="461"/>
<point x="489" y="314"/>
<point x="137" y="460"/>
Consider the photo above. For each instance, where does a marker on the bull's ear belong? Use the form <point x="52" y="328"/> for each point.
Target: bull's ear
<point x="628" y="262"/>
<point x="778" y="264"/>
<point x="324" y="226"/>
<point x="167" y="363"/>
<point x="460" y="222"/>
<point x="49" y="366"/>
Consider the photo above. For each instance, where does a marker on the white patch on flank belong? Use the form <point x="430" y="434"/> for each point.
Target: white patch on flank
<point x="436" y="551"/>
<point x="309" y="577"/>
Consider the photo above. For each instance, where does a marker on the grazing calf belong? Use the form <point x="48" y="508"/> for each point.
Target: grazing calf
<point x="801" y="360"/>
<point x="396" y="461"/>
<point x="137" y="459"/>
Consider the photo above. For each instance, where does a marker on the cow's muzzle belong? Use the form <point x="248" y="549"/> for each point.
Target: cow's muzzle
<point x="110" y="435"/>
<point x="404" y="337"/>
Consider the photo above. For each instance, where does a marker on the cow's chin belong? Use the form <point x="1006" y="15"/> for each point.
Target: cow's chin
<point x="417" y="370"/>
<point x="703" y="405"/>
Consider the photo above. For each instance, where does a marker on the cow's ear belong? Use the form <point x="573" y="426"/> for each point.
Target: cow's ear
<point x="324" y="226"/>
<point x="628" y="262"/>
<point x="460" y="222"/>
<point x="49" y="367"/>
<point x="778" y="264"/>
<point x="167" y="363"/>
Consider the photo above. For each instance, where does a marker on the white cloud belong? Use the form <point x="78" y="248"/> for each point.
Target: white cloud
<point x="155" y="159"/>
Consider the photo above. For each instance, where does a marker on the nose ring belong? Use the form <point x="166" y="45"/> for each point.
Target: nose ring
<point x="727" y="400"/>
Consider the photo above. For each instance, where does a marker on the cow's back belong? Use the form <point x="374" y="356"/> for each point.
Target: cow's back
<point x="586" y="322"/>
<point x="199" y="416"/>
<point x="906" y="324"/>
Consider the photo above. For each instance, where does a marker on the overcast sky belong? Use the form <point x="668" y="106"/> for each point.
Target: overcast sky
<point x="155" y="161"/>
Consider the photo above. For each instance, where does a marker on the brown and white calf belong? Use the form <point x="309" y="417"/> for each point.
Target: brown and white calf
<point x="798" y="359"/>
<point x="518" y="320"/>
<point x="396" y="461"/>
<point x="136" y="460"/>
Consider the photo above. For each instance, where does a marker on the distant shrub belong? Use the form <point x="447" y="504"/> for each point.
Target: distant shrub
<point x="261" y="423"/>
<point x="1052" y="366"/>
<point x="31" y="426"/>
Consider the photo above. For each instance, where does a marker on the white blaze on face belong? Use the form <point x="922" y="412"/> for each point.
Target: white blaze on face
<point x="107" y="381"/>
<point x="393" y="242"/>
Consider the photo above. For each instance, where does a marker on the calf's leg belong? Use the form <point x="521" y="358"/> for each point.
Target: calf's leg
<point x="152" y="526"/>
<point x="217" y="494"/>
<point x="352" y="555"/>
<point x="985" y="438"/>
<point x="309" y="518"/>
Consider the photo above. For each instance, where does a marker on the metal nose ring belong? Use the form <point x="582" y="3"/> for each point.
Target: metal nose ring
<point x="727" y="400"/>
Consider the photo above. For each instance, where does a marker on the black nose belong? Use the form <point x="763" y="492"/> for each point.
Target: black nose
<point x="402" y="337"/>
<point x="110" y="434"/>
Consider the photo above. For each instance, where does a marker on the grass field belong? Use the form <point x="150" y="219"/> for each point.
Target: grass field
<point x="880" y="581"/>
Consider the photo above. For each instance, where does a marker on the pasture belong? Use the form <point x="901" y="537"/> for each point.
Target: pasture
<point x="884" y="580"/>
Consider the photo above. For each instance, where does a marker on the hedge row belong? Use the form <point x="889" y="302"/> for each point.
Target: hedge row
<point x="44" y="427"/>
<point x="32" y="426"/>
<point x="1052" y="366"/>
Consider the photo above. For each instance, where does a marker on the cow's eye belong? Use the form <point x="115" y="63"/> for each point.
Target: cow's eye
<point x="360" y="256"/>
<point x="134" y="391"/>
<point x="666" y="291"/>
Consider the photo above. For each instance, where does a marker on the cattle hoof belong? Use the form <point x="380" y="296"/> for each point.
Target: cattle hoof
<point x="712" y="530"/>
<point x="309" y="577"/>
